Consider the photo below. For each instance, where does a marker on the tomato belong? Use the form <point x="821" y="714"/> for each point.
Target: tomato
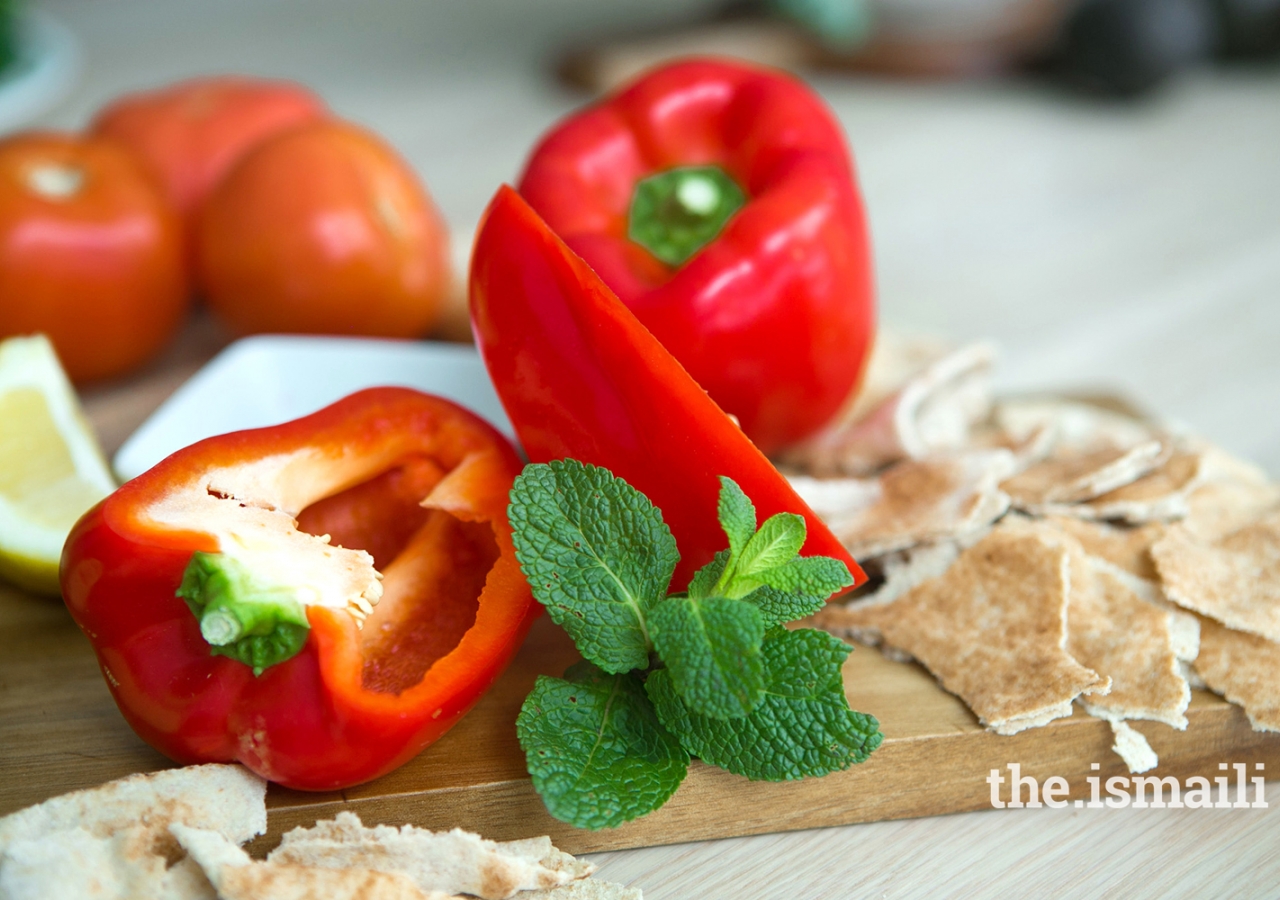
<point x="193" y="132"/>
<point x="90" y="252"/>
<point x="323" y="230"/>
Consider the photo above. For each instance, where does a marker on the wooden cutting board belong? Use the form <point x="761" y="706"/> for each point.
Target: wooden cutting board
<point x="60" y="730"/>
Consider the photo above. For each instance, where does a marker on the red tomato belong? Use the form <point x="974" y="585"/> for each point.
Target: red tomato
<point x="192" y="133"/>
<point x="323" y="230"/>
<point x="90" y="252"/>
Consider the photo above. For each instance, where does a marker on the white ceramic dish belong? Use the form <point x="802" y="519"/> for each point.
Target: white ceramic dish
<point x="270" y="379"/>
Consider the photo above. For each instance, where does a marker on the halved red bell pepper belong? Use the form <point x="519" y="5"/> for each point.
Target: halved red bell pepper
<point x="718" y="201"/>
<point x="229" y="627"/>
<point x="582" y="378"/>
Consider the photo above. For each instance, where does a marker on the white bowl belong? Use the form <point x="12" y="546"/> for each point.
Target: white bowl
<point x="270" y="379"/>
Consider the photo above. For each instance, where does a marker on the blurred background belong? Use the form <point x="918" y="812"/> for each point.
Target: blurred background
<point x="1092" y="184"/>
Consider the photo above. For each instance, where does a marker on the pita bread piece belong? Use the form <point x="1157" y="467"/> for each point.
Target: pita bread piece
<point x="993" y="629"/>
<point x="1076" y="426"/>
<point x="456" y="862"/>
<point x="1217" y="508"/>
<point x="73" y="864"/>
<point x="1234" y="579"/>
<point x="1125" y="547"/>
<point x="1073" y="476"/>
<point x="1131" y="745"/>
<point x="1245" y="669"/>
<point x="1027" y="449"/>
<point x="237" y="877"/>
<point x="914" y="502"/>
<point x="932" y="412"/>
<point x="1159" y="496"/>
<point x="1113" y="630"/>
<point x="911" y="568"/>
<point x="226" y="798"/>
<point x="895" y="359"/>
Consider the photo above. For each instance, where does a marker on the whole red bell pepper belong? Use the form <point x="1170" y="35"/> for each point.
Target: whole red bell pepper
<point x="582" y="378"/>
<point x="319" y="600"/>
<point x="718" y="201"/>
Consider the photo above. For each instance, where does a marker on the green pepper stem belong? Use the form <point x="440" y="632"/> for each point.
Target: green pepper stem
<point x="220" y="627"/>
<point x="257" y="623"/>
<point x="676" y="213"/>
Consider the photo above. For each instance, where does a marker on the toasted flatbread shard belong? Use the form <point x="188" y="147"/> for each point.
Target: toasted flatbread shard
<point x="1131" y="745"/>
<point x="1245" y="669"/>
<point x="914" y="502"/>
<point x="933" y="411"/>
<point x="895" y="358"/>
<point x="237" y="877"/>
<point x="1027" y="449"/>
<point x="1234" y="579"/>
<point x="1074" y="476"/>
<point x="1113" y="630"/>
<point x="185" y="880"/>
<point x="1162" y="495"/>
<point x="262" y="881"/>
<point x="72" y="864"/>
<point x="1125" y="547"/>
<point x="1076" y="426"/>
<point x="453" y="862"/>
<point x="226" y="798"/>
<point x="993" y="629"/>
<point x="1217" y="508"/>
<point x="911" y="568"/>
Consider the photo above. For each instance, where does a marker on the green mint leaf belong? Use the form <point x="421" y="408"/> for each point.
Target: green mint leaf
<point x="711" y="648"/>
<point x="704" y="580"/>
<point x="814" y="576"/>
<point x="597" y="555"/>
<point x="778" y="607"/>
<point x="776" y="543"/>
<point x="737" y="514"/>
<point x="596" y="751"/>
<point x="802" y="727"/>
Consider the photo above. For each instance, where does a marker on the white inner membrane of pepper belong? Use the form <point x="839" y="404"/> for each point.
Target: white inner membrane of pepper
<point x="251" y="510"/>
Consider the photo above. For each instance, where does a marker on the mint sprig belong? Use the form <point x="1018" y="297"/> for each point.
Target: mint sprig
<point x="802" y="727"/>
<point x="596" y="751"/>
<point x="711" y="647"/>
<point x="707" y="672"/>
<point x="577" y="530"/>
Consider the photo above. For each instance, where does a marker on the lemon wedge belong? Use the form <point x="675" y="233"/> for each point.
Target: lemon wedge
<point x="51" y="468"/>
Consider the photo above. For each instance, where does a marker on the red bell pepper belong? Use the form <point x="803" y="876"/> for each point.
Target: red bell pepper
<point x="229" y="627"/>
<point x="582" y="378"/>
<point x="718" y="201"/>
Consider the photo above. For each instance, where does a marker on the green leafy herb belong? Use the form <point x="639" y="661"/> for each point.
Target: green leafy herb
<point x="737" y="515"/>
<point x="802" y="727"/>
<point x="595" y="749"/>
<point x="707" y="672"/>
<point x="775" y="544"/>
<point x="703" y="583"/>
<point x="597" y="555"/>
<point x="779" y="607"/>
<point x="712" y="650"/>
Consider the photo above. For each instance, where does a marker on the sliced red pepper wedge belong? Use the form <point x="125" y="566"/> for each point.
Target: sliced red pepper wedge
<point x="581" y="378"/>
<point x="263" y="657"/>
